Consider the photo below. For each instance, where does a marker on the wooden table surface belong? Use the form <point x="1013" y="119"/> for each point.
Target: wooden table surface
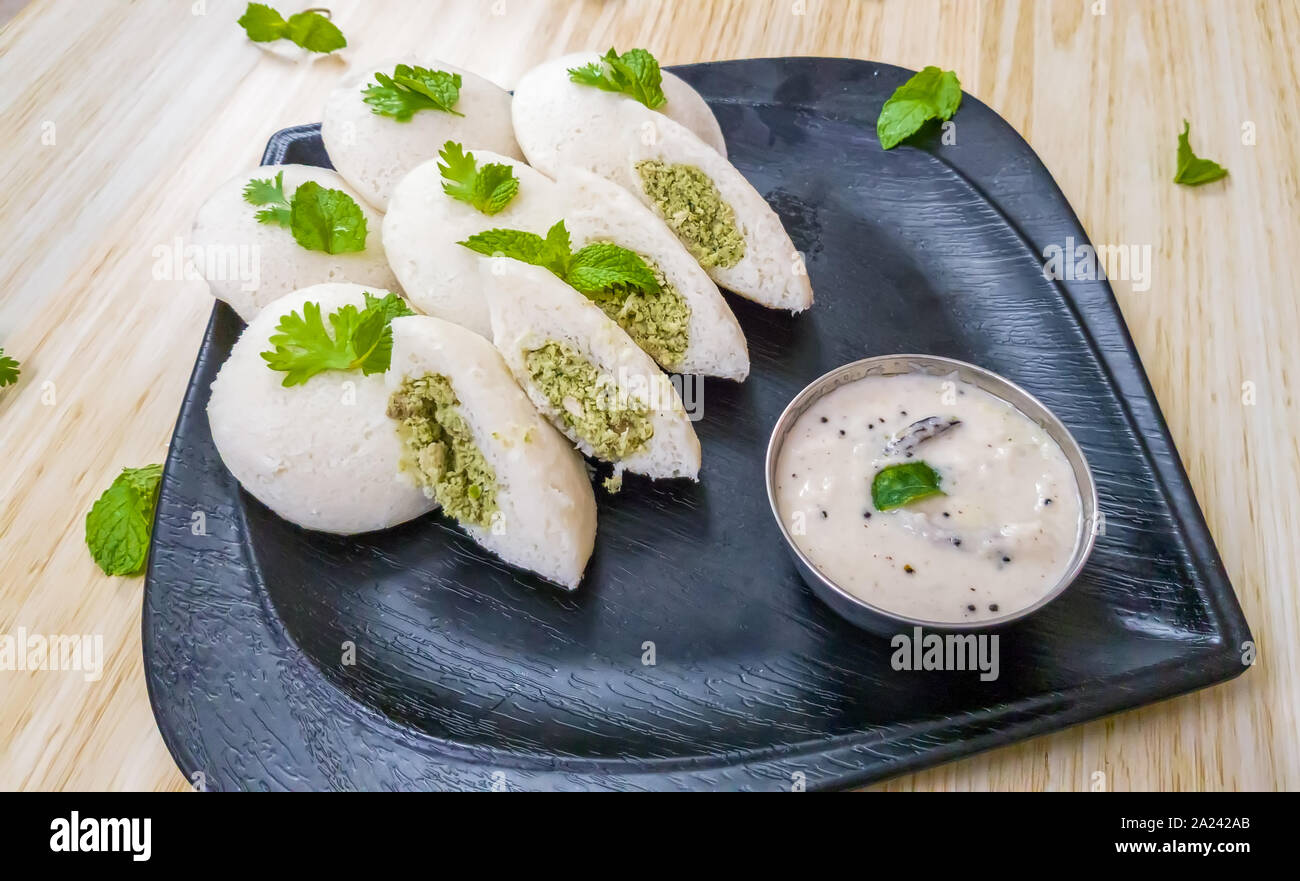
<point x="118" y="119"/>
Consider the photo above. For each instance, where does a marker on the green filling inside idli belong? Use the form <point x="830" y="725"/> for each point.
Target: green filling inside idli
<point x="440" y="449"/>
<point x="658" y="323"/>
<point x="691" y="205"/>
<point x="589" y="402"/>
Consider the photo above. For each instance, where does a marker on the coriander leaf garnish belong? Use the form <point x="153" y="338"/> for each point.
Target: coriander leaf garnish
<point x="362" y="339"/>
<point x="326" y="220"/>
<point x="635" y="73"/>
<point x="897" y="485"/>
<point x="411" y="89"/>
<point x="598" y="271"/>
<point x="8" y="369"/>
<point x="489" y="189"/>
<point x="264" y="191"/>
<point x="311" y="30"/>
<point x="1192" y="169"/>
<point x="118" y="525"/>
<point x="929" y="94"/>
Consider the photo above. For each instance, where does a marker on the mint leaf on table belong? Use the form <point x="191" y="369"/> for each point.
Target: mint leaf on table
<point x="412" y="89"/>
<point x="930" y="94"/>
<point x="597" y="271"/>
<point x="897" y="485"/>
<point x="327" y="220"/>
<point x="362" y="339"/>
<point x="1192" y="169"/>
<point x="119" y="524"/>
<point x="311" y="30"/>
<point x="9" y="369"/>
<point x="269" y="193"/>
<point x="489" y="188"/>
<point x="635" y="73"/>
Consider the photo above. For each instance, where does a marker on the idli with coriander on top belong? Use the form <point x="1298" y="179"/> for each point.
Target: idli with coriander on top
<point x="567" y="110"/>
<point x="717" y="214"/>
<point x="584" y="374"/>
<point x="298" y="411"/>
<point x="475" y="443"/>
<point x="387" y="119"/>
<point x="448" y="199"/>
<point x="276" y="229"/>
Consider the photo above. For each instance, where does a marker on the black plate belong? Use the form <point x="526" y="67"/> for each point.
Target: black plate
<point x="471" y="675"/>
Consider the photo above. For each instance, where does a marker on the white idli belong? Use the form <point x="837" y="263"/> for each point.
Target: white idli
<point x="559" y="122"/>
<point x="542" y="513"/>
<point x="423" y="228"/>
<point x="624" y="410"/>
<point x="373" y="152"/>
<point x="322" y="454"/>
<point x="248" y="264"/>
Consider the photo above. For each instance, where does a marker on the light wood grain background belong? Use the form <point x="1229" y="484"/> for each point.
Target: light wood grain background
<point x="118" y="119"/>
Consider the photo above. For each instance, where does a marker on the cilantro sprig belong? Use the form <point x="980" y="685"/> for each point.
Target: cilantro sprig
<point x="362" y="339"/>
<point x="311" y="30"/>
<point x="599" y="271"/>
<point x="1192" y="169"/>
<point x="320" y="219"/>
<point x="488" y="188"/>
<point x="412" y="89"/>
<point x="119" y="524"/>
<point x="635" y="73"/>
<point x="930" y="94"/>
<point x="9" y="369"/>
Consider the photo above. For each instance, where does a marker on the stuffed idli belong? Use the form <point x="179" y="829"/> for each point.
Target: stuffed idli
<point x="424" y="226"/>
<point x="381" y="123"/>
<point x="476" y="445"/>
<point x="687" y="327"/>
<point x="717" y="214"/>
<point x="560" y="122"/>
<point x="321" y="454"/>
<point x="248" y="263"/>
<point x="584" y="374"/>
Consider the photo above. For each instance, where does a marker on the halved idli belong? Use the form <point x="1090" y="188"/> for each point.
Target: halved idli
<point x="687" y="327"/>
<point x="322" y="454"/>
<point x="718" y="215"/>
<point x="248" y="264"/>
<point x="424" y="226"/>
<point x="584" y="373"/>
<point x="373" y="151"/>
<point x="476" y="444"/>
<point x="559" y="122"/>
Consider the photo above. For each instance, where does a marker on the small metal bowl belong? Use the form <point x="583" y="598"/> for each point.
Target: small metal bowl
<point x="879" y="620"/>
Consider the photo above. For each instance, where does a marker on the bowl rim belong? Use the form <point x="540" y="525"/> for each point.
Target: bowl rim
<point x="1085" y="542"/>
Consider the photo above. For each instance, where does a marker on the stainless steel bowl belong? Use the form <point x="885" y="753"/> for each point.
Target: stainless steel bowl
<point x="881" y="620"/>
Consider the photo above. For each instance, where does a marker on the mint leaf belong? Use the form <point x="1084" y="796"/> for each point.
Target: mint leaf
<point x="1193" y="170"/>
<point x="602" y="270"/>
<point x="327" y="220"/>
<point x="264" y="191"/>
<point x="635" y="73"/>
<point x="489" y="189"/>
<point x="362" y="339"/>
<point x="314" y="32"/>
<point x="119" y="524"/>
<point x="8" y="370"/>
<point x="412" y="89"/>
<point x="897" y="485"/>
<point x="598" y="271"/>
<point x="930" y="94"/>
<point x="311" y="30"/>
<point x="262" y="23"/>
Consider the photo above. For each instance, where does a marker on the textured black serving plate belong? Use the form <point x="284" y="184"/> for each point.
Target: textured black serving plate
<point x="469" y="674"/>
